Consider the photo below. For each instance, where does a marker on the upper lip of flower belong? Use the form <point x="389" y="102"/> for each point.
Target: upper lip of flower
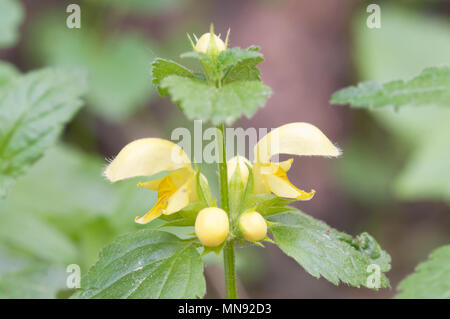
<point x="298" y="138"/>
<point x="149" y="156"/>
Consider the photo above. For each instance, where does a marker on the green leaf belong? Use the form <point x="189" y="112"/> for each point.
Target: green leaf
<point x="323" y="251"/>
<point x="7" y="73"/>
<point x="231" y="57"/>
<point x="146" y="264"/>
<point x="200" y="101"/>
<point x="66" y="191"/>
<point x="426" y="175"/>
<point x="409" y="41"/>
<point x="26" y="279"/>
<point x="33" y="111"/>
<point x="245" y="70"/>
<point x="431" y="279"/>
<point x="24" y="232"/>
<point x="267" y="204"/>
<point x="144" y="7"/>
<point x="162" y="68"/>
<point x="431" y="87"/>
<point x="11" y="15"/>
<point x="118" y="65"/>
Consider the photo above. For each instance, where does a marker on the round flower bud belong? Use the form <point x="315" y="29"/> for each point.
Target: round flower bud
<point x="212" y="226"/>
<point x="204" y="42"/>
<point x="253" y="226"/>
<point x="241" y="162"/>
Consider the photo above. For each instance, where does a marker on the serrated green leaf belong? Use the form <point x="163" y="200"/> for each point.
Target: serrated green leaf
<point x="245" y="70"/>
<point x="200" y="101"/>
<point x="431" y="279"/>
<point x="33" y="111"/>
<point x="322" y="251"/>
<point x="11" y="15"/>
<point x="431" y="87"/>
<point x="162" y="68"/>
<point x="146" y="264"/>
<point x="231" y="57"/>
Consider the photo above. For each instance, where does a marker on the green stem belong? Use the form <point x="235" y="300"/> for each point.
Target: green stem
<point x="230" y="271"/>
<point x="228" y="250"/>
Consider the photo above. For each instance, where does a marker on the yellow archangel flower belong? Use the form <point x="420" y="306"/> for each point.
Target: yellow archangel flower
<point x="294" y="139"/>
<point x="149" y="156"/>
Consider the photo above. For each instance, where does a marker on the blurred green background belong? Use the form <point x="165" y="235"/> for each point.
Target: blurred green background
<point x="392" y="181"/>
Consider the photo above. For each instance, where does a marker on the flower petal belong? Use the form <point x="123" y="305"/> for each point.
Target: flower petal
<point x="295" y="139"/>
<point x="146" y="157"/>
<point x="152" y="214"/>
<point x="282" y="187"/>
<point x="180" y="199"/>
<point x="151" y="185"/>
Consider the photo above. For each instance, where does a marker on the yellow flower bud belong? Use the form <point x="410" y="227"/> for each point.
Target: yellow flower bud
<point x="212" y="226"/>
<point x="238" y="161"/>
<point x="205" y="42"/>
<point x="253" y="226"/>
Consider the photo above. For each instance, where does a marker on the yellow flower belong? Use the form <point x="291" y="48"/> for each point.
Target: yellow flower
<point x="295" y="139"/>
<point x="212" y="226"/>
<point x="253" y="226"/>
<point x="210" y="44"/>
<point x="149" y="156"/>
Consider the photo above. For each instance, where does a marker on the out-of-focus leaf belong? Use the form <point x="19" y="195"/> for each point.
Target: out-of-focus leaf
<point x="66" y="189"/>
<point x="146" y="264"/>
<point x="33" y="111"/>
<point x="7" y="73"/>
<point x="144" y="6"/>
<point x="363" y="175"/>
<point x="408" y="42"/>
<point x="25" y="233"/>
<point x="322" y="251"/>
<point x="200" y="101"/>
<point x="431" y="87"/>
<point x="11" y="15"/>
<point x="427" y="174"/>
<point x="33" y="280"/>
<point x="431" y="279"/>
<point x="120" y="83"/>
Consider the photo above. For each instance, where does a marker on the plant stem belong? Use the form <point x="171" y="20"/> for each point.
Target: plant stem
<point x="228" y="250"/>
<point x="223" y="168"/>
<point x="230" y="271"/>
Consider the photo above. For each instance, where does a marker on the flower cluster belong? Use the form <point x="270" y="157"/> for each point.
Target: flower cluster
<point x="179" y="188"/>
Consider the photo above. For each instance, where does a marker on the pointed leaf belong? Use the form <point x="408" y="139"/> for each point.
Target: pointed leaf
<point x="146" y="264"/>
<point x="33" y="111"/>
